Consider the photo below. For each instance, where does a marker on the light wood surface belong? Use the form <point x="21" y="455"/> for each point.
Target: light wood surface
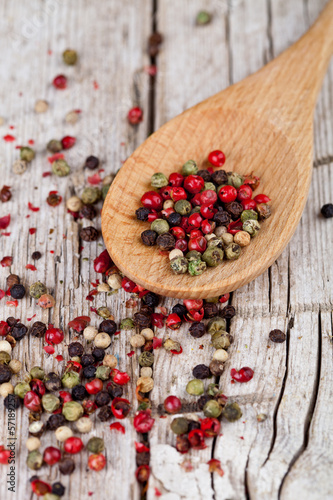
<point x="263" y="124"/>
<point x="288" y="455"/>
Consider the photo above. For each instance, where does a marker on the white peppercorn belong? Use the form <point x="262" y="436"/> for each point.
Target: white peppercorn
<point x="33" y="443"/>
<point x="210" y="236"/>
<point x="110" y="361"/>
<point x="168" y="204"/>
<point x="114" y="281"/>
<point x="63" y="432"/>
<point x="103" y="288"/>
<point x="175" y="253"/>
<point x="41" y="106"/>
<point x="72" y="117"/>
<point x="15" y="365"/>
<point x="102" y="340"/>
<point x="90" y="333"/>
<point x="242" y="238"/>
<point x="5" y="389"/>
<point x="19" y="167"/>
<point x="146" y="384"/>
<point x="147" y="333"/>
<point x="220" y="355"/>
<point x="220" y="230"/>
<point x="137" y="340"/>
<point x="5" y="347"/>
<point x="74" y="204"/>
<point x="83" y="425"/>
<point x="146" y="371"/>
<point x="227" y="238"/>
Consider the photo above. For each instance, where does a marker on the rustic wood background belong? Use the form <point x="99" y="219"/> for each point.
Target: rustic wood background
<point x="289" y="455"/>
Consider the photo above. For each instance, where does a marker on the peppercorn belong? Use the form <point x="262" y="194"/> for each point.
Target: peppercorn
<point x="38" y="329"/>
<point x="232" y="412"/>
<point x="79" y="392"/>
<point x="252" y="227"/>
<point x="189" y="168"/>
<point x="220" y="355"/>
<point x="66" y="466"/>
<point x="103" y="398"/>
<point x="37" y="289"/>
<point x="63" y="432"/>
<point x="95" y="445"/>
<point x="174" y="219"/>
<point x="50" y="403"/>
<point x="110" y="361"/>
<point x="5" y="351"/>
<point x="137" y="340"/>
<point x="277" y="336"/>
<point x="5" y="373"/>
<point x="17" y="291"/>
<point x="219" y="177"/>
<point x="179" y="426"/>
<point x="183" y="207"/>
<point x="159" y="180"/>
<point x="34" y="460"/>
<point x="210" y="310"/>
<point x="19" y="331"/>
<point x="142" y="320"/>
<point x="15" y="365"/>
<point x="12" y="280"/>
<point x="33" y="443"/>
<point x="115" y="390"/>
<point x="36" y="255"/>
<point x="205" y="174"/>
<point x="196" y="267"/>
<point x="166" y="241"/>
<point x="216" y="367"/>
<point x="159" y="226"/>
<point x="21" y="388"/>
<point x="36" y="428"/>
<point x="146" y="310"/>
<point x="146" y="384"/>
<point x="54" y="146"/>
<point x="11" y="401"/>
<point x="142" y="458"/>
<point x="197" y="329"/>
<point x="19" y="167"/>
<point x="75" y="349"/>
<point x="98" y="353"/>
<point x="221" y="340"/>
<point x="83" y="425"/>
<point x="327" y="210"/>
<point x="264" y="211"/>
<point x="87" y="359"/>
<point x="58" y="489"/>
<point x="235" y="209"/>
<point x="90" y="195"/>
<point x="212" y="409"/>
<point x="5" y="389"/>
<point x="213" y="256"/>
<point x="27" y="154"/>
<point x="103" y="372"/>
<point x="233" y="251"/>
<point x="52" y="382"/>
<point x="60" y="168"/>
<point x="91" y="162"/>
<point x="104" y="414"/>
<point x="142" y="213"/>
<point x="72" y="410"/>
<point x="37" y="372"/>
<point x="146" y="358"/>
<point x="227" y="239"/>
<point x="151" y="299"/>
<point x="203" y="400"/>
<point x="89" y="234"/>
<point x="179" y="265"/>
<point x="203" y="18"/>
<point x="228" y="312"/>
<point x="154" y="41"/>
<point x="235" y="179"/>
<point x="195" y="387"/>
<point x="242" y="238"/>
<point x="89" y="371"/>
<point x="148" y="237"/>
<point x="55" y="421"/>
<point x="201" y="372"/>
<point x="87" y="212"/>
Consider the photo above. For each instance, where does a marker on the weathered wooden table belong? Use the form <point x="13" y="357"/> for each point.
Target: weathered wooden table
<point x="289" y="455"/>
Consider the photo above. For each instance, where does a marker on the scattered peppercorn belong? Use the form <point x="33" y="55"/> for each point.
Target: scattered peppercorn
<point x="277" y="336"/>
<point x="89" y="234"/>
<point x="87" y="212"/>
<point x="36" y="255"/>
<point x="201" y="372"/>
<point x="17" y="291"/>
<point x="327" y="210"/>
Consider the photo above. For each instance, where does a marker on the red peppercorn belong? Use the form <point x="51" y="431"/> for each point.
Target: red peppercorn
<point x="195" y="220"/>
<point x="178" y="193"/>
<point x="210" y="427"/>
<point x="193" y="315"/>
<point x="40" y="488"/>
<point x="173" y="321"/>
<point x="196" y="200"/>
<point x="97" y="462"/>
<point x="184" y="224"/>
<point x="32" y="401"/>
<point x="244" y="193"/>
<point x="143" y="422"/>
<point x="51" y="455"/>
<point x="195" y="304"/>
<point x="120" y="407"/>
<point x="4" y="327"/>
<point x="128" y="285"/>
<point x="177" y="232"/>
<point x="65" y="396"/>
<point x="94" y="386"/>
<point x="78" y="324"/>
<point x="224" y="298"/>
<point x="38" y="387"/>
<point x="120" y="378"/>
<point x="197" y="439"/>
<point x="207" y="227"/>
<point x="89" y="406"/>
<point x="181" y="244"/>
<point x="207" y="211"/>
<point x="216" y="158"/>
<point x="142" y="473"/>
<point x="195" y="233"/>
<point x="208" y="196"/>
<point x="68" y="142"/>
<point x="157" y="319"/>
<point x="73" y="445"/>
<point x="103" y="262"/>
<point x="194" y="184"/>
<point x="176" y="179"/>
<point x="253" y="181"/>
<point x="227" y="194"/>
<point x="135" y="116"/>
<point x="199" y="244"/>
<point x="261" y="198"/>
<point x="235" y="226"/>
<point x="245" y="374"/>
<point x="54" y="336"/>
<point x="167" y="211"/>
<point x="60" y="82"/>
<point x="249" y="204"/>
<point x="152" y="216"/>
<point x="152" y="199"/>
<point x="172" y="404"/>
<point x="4" y="455"/>
<point x="165" y="192"/>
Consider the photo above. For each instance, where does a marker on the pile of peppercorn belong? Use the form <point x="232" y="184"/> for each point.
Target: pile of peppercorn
<point x="202" y="216"/>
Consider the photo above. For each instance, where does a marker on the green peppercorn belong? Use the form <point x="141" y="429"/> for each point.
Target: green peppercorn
<point x="70" y="380"/>
<point x="51" y="496"/>
<point x="90" y="195"/>
<point x="213" y="256"/>
<point x="160" y="226"/>
<point x="27" y="154"/>
<point x="50" y="402"/>
<point x="235" y="179"/>
<point x="252" y="227"/>
<point x="209" y="186"/>
<point x="69" y="57"/>
<point x="189" y="168"/>
<point x="95" y="445"/>
<point x="37" y="372"/>
<point x="127" y="324"/>
<point x="233" y="251"/>
<point x="72" y="411"/>
<point x="103" y="372"/>
<point x="183" y="207"/>
<point x="105" y="190"/>
<point x="193" y="255"/>
<point x="146" y="358"/>
<point x="232" y="412"/>
<point x="195" y="387"/>
<point x="35" y="460"/>
<point x="216" y="324"/>
<point x="54" y="146"/>
<point x="196" y="267"/>
<point x="104" y="312"/>
<point x="215" y="242"/>
<point x="248" y="215"/>
<point x="221" y="340"/>
<point x="179" y="426"/>
<point x="21" y="389"/>
<point x="171" y="345"/>
<point x="37" y="289"/>
<point x="60" y="168"/>
<point x="203" y="17"/>
<point x="179" y="265"/>
<point x="4" y="358"/>
<point x="159" y="180"/>
<point x="213" y="300"/>
<point x="212" y="409"/>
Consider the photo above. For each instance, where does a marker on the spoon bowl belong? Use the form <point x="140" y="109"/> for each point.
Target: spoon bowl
<point x="262" y="124"/>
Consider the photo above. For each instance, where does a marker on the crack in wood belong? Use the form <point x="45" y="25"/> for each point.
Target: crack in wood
<point x="326" y="160"/>
<point x="269" y="30"/>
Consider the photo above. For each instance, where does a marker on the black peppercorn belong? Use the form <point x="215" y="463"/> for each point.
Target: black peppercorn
<point x="75" y="349"/>
<point x="147" y="310"/>
<point x="79" y="393"/>
<point x="58" y="489"/>
<point x="87" y="212"/>
<point x="327" y="210"/>
<point x="277" y="336"/>
<point x="154" y="42"/>
<point x="5" y="374"/>
<point x="19" y="331"/>
<point x="108" y="326"/>
<point x="235" y="209"/>
<point x="174" y="219"/>
<point x="66" y="466"/>
<point x="192" y="425"/>
<point x="115" y="390"/>
<point x="89" y="371"/>
<point x="221" y="218"/>
<point x="91" y="162"/>
<point x="210" y="310"/>
<point x="17" y="291"/>
<point x="98" y="353"/>
<point x="203" y="400"/>
<point x="166" y="241"/>
<point x="197" y="329"/>
<point x="87" y="359"/>
<point x="55" y="421"/>
<point x="148" y="237"/>
<point x="142" y="213"/>
<point x="52" y="382"/>
<point x="219" y="177"/>
<point x="228" y="312"/>
<point x="11" y="321"/>
<point x="33" y="478"/>
<point x="180" y="310"/>
<point x="12" y="402"/>
<point x="36" y="255"/>
<point x="201" y="372"/>
<point x="142" y="458"/>
<point x="89" y="234"/>
<point x="104" y="413"/>
<point x="205" y="175"/>
<point x="102" y="398"/>
<point x="182" y="444"/>
<point x="151" y="299"/>
<point x="38" y="329"/>
<point x="142" y="320"/>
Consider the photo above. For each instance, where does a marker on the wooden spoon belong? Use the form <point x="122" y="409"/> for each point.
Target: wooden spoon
<point x="262" y="124"/>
